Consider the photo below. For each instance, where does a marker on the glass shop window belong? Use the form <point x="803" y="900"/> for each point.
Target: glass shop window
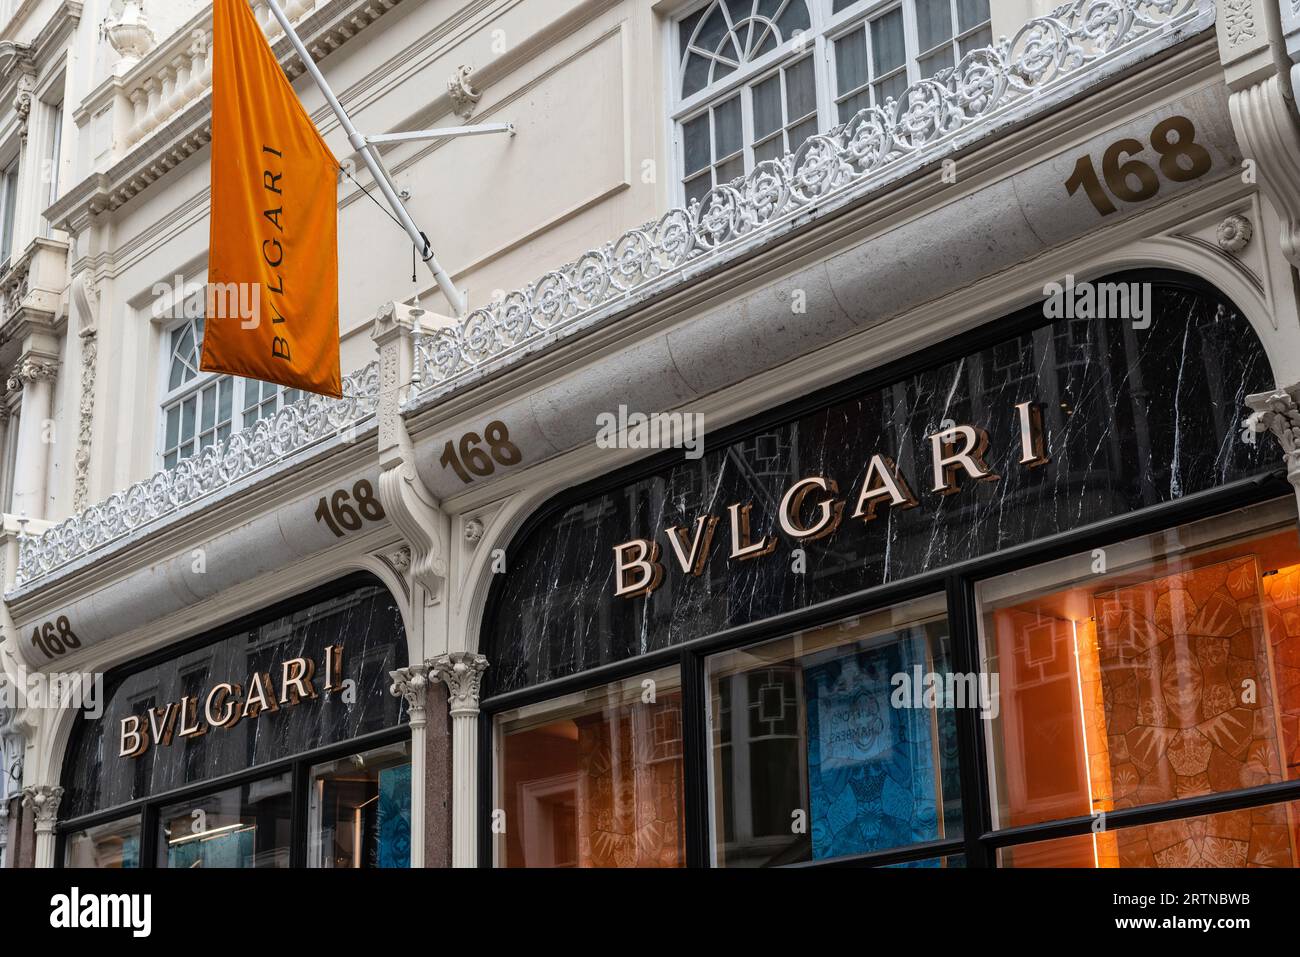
<point x="1158" y="669"/>
<point x="112" y="845"/>
<point x="1252" y="837"/>
<point x="594" y="779"/>
<point x="241" y="827"/>
<point x="360" y="810"/>
<point x="826" y="744"/>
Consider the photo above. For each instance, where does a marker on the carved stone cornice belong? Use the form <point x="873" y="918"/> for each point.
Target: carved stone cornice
<point x="462" y="673"/>
<point x="412" y="683"/>
<point x="1278" y="412"/>
<point x="43" y="801"/>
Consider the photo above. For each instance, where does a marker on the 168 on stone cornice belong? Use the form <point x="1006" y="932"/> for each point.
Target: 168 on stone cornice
<point x="954" y="452"/>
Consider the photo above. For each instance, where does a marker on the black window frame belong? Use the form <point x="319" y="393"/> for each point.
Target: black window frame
<point x="298" y="766"/>
<point x="979" y="842"/>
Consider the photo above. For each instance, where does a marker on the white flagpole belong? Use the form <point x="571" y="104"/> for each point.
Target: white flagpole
<point x="363" y="146"/>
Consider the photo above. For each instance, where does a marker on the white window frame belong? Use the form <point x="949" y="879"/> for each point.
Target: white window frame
<point x="9" y="189"/>
<point x="243" y="414"/>
<point x="826" y="28"/>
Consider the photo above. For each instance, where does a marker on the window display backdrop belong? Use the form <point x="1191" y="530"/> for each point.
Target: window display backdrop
<point x="359" y="615"/>
<point x="1131" y="418"/>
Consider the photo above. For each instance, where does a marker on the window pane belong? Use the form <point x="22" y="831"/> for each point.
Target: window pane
<point x="733" y="169"/>
<point x="858" y="101"/>
<point x="1254" y="837"/>
<point x="727" y="130"/>
<point x="971" y="13"/>
<point x="187" y="418"/>
<point x="977" y="41"/>
<point x="696" y="75"/>
<point x="800" y="90"/>
<point x="933" y="23"/>
<point x="1170" y="675"/>
<point x="935" y="62"/>
<point x="173" y="426"/>
<point x="851" y="61"/>
<point x="112" y="845"/>
<point x="895" y="86"/>
<point x="773" y="148"/>
<point x="594" y="779"/>
<point x="814" y="724"/>
<point x="246" y="826"/>
<point x="208" y="412"/>
<point x="227" y="396"/>
<point x="360" y="810"/>
<point x="888" y="49"/>
<point x="801" y="132"/>
<point x="795" y="17"/>
<point x="767" y="107"/>
<point x="698" y="188"/>
<point x="695" y="140"/>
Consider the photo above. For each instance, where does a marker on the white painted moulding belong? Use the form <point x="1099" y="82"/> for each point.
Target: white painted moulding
<point x="263" y="545"/>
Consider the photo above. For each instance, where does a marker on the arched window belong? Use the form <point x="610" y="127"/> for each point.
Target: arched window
<point x="199" y="409"/>
<point x="756" y="78"/>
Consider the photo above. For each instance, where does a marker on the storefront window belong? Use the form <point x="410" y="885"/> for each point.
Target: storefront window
<point x="1253" y="837"/>
<point x="246" y="826"/>
<point x="112" y="845"/>
<point x="1162" y="668"/>
<point x="294" y="704"/>
<point x="360" y="814"/>
<point x="825" y="744"/>
<point x="594" y="779"/>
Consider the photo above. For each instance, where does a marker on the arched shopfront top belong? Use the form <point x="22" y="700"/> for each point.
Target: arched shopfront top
<point x="1139" y="406"/>
<point x="314" y="697"/>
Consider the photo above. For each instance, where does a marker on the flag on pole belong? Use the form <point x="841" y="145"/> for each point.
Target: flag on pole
<point x="273" y="287"/>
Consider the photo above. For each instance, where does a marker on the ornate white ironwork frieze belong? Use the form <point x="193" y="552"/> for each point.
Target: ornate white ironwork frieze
<point x="249" y="452"/>
<point x="462" y="673"/>
<point x="1278" y="412"/>
<point x="858" y="155"/>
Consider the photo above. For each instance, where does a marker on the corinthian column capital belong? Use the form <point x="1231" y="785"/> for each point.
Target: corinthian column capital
<point x="43" y="801"/>
<point x="462" y="673"/>
<point x="32" y="369"/>
<point x="1278" y="412"/>
<point x="412" y="684"/>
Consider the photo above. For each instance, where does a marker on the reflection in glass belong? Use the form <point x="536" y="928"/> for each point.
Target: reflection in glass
<point x="112" y="845"/>
<point x="247" y="826"/>
<point x="1253" y="837"/>
<point x="360" y="810"/>
<point x="594" y="779"/>
<point x="1161" y="668"/>
<point x="819" y="748"/>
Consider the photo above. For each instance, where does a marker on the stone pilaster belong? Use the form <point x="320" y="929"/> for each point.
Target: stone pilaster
<point x="462" y="673"/>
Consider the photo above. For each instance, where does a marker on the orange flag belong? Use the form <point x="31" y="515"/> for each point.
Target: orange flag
<point x="273" y="268"/>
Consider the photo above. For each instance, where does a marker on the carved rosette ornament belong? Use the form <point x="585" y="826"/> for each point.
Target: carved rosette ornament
<point x="1234" y="234"/>
<point x="462" y="673"/>
<point x="43" y="801"/>
<point x="412" y="684"/>
<point x="1278" y="412"/>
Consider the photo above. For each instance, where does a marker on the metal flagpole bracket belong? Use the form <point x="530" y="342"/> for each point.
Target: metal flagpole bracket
<point x="370" y="155"/>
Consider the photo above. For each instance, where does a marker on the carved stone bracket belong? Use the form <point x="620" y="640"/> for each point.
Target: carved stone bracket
<point x="43" y="801"/>
<point x="86" y="299"/>
<point x="409" y="504"/>
<point x="463" y="96"/>
<point x="23" y="103"/>
<point x="462" y="673"/>
<point x="1266" y="126"/>
<point x="1279" y="413"/>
